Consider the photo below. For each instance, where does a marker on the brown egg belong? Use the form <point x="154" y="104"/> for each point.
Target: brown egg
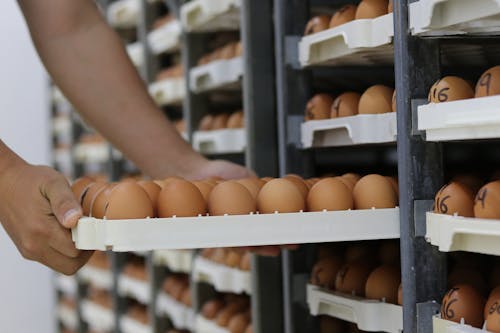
<point x="357" y="252"/>
<point x="343" y="15"/>
<point x="389" y="252"/>
<point x="454" y="198"/>
<point x="228" y="51"/>
<point x="128" y="201"/>
<point x="329" y="194"/>
<point x="178" y="291"/>
<point x="238" y="50"/>
<point x="225" y="315"/>
<point x="329" y="324"/>
<point x="471" y="181"/>
<point x="493" y="297"/>
<point x="253" y="185"/>
<point x="204" y="187"/>
<point x="345" y="105"/>
<point x="394" y="102"/>
<point x="186" y="297"/>
<point x="249" y="329"/>
<point x="236" y="120"/>
<point x="245" y="263"/>
<point x="352" y="277"/>
<point x="239" y="323"/>
<point x="325" y="272"/>
<point x="152" y="189"/>
<point x="493" y="319"/>
<point x="400" y="294"/>
<point x="230" y="198"/>
<point x="318" y="107"/>
<point x="266" y="179"/>
<point x="374" y="191"/>
<point x="383" y="284"/>
<point x="280" y="195"/>
<point x="211" y="308"/>
<point x="79" y="186"/>
<point x="219" y="255"/>
<point x="394" y="183"/>
<point x="489" y="83"/>
<point x="206" y="123"/>
<point x="182" y="199"/>
<point x="233" y="259"/>
<point x="469" y="276"/>
<point x="368" y="9"/>
<point x="376" y="99"/>
<point x="220" y="121"/>
<point x="450" y="88"/>
<point x="463" y="301"/>
<point x="299" y="183"/>
<point x="354" y="177"/>
<point x="98" y="205"/>
<point x="317" y="24"/>
<point x="89" y="194"/>
<point x="487" y="201"/>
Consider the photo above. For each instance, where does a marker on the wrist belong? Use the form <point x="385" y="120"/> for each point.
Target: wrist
<point x="9" y="164"/>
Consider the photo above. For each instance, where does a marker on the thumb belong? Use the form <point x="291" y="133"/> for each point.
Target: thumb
<point x="62" y="201"/>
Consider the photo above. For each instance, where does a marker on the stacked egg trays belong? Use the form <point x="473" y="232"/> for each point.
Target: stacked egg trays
<point x="223" y="120"/>
<point x="228" y="312"/>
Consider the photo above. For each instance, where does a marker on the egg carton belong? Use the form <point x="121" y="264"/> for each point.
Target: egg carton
<point x="135" y="52"/>
<point x="67" y="316"/>
<point x="168" y="91"/>
<point x="235" y="230"/>
<point x="223" y="278"/>
<point x="67" y="284"/>
<point x="359" y="42"/>
<point x="216" y="75"/>
<point x="454" y="17"/>
<point x="347" y="131"/>
<point x="223" y="141"/>
<point x="166" y="38"/>
<point x="100" y="278"/>
<point x="136" y="289"/>
<point x="364" y="313"/>
<point x="456" y="233"/>
<point x="179" y="261"/>
<point x="124" y="13"/>
<point x="182" y="317"/>
<point x="97" y="317"/>
<point x="469" y="119"/>
<point x="208" y="15"/>
<point x="445" y="326"/>
<point x="129" y="325"/>
<point x="203" y="325"/>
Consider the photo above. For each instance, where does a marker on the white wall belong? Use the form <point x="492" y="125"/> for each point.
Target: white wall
<point x="26" y="301"/>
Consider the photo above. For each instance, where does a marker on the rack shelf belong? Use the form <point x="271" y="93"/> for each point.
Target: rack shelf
<point x="168" y="91"/>
<point x="181" y="316"/>
<point x="97" y="317"/>
<point x="224" y="141"/>
<point x="100" y="278"/>
<point x="166" y="38"/>
<point x="206" y="15"/>
<point x="217" y="75"/>
<point x="136" y="289"/>
<point x="179" y="261"/>
<point x="124" y="13"/>
<point x="223" y="278"/>
<point x="203" y="325"/>
<point x="444" y="326"/>
<point x="129" y="325"/>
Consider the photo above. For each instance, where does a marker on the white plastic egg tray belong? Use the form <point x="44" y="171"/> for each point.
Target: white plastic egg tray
<point x="445" y="326"/>
<point x="365" y="313"/>
<point x="223" y="278"/>
<point x="475" y="118"/>
<point x="181" y="316"/>
<point x="237" y="230"/>
<point x="136" y="289"/>
<point x="67" y="316"/>
<point x="179" y="261"/>
<point x="129" y="325"/>
<point x="67" y="284"/>
<point x="135" y="52"/>
<point x="347" y="131"/>
<point x="359" y="42"/>
<point x="166" y="38"/>
<point x="219" y="74"/>
<point x="454" y="17"/>
<point x="456" y="233"/>
<point x="209" y="15"/>
<point x="91" y="152"/>
<point x="97" y="277"/>
<point x="203" y="325"/>
<point x="97" y="317"/>
<point x="223" y="141"/>
<point x="124" y="13"/>
<point x="61" y="125"/>
<point x="168" y="91"/>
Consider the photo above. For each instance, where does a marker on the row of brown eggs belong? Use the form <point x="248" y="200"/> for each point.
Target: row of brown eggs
<point x="228" y="257"/>
<point x="220" y="121"/>
<point x="139" y="313"/>
<point x="161" y="21"/>
<point x="367" y="9"/>
<point x="177" y="286"/>
<point x="376" y="99"/>
<point x="454" y="88"/>
<point x="100" y="297"/>
<point x="100" y="260"/>
<point x="170" y="72"/>
<point x="231" y="312"/>
<point x="136" y="269"/>
<point x="226" y="52"/>
<point x="175" y="197"/>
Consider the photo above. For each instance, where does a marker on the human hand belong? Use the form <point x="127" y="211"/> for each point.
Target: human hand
<point x="222" y="169"/>
<point x="38" y="209"/>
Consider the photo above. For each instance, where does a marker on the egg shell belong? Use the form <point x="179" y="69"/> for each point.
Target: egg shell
<point x="186" y="297"/>
<point x="228" y="51"/>
<point x="394" y="183"/>
<point x="383" y="284"/>
<point x="361" y="251"/>
<point x="236" y="120"/>
<point x="390" y="7"/>
<point x="469" y="276"/>
<point x="493" y="297"/>
<point x="280" y="195"/>
<point x="329" y="194"/>
<point x="493" y="319"/>
<point x="206" y="123"/>
<point x="450" y="88"/>
<point x="325" y="272"/>
<point x="400" y="294"/>
<point x="89" y="194"/>
<point x="351" y="278"/>
<point x="318" y="107"/>
<point x="376" y="99"/>
<point x="233" y="259"/>
<point x="368" y="9"/>
<point x="354" y="177"/>
<point x="374" y="191"/>
<point x="211" y="308"/>
<point x="463" y="301"/>
<point x="249" y="329"/>
<point x="266" y="179"/>
<point x="204" y="187"/>
<point x="345" y="105"/>
<point x="98" y="205"/>
<point x="220" y="121"/>
<point x="253" y="185"/>
<point x="471" y="181"/>
<point x="227" y="313"/>
<point x="454" y="198"/>
<point x="489" y="83"/>
<point x="487" y="201"/>
<point x="299" y="183"/>
<point x="239" y="323"/>
<point x="238" y="50"/>
<point x="153" y="191"/>
<point x="128" y="200"/>
<point x="182" y="199"/>
<point x="230" y="198"/>
<point x="394" y="102"/>
<point x="79" y="186"/>
<point x="345" y="14"/>
<point x="245" y="263"/>
<point x="317" y="24"/>
<point x="329" y="324"/>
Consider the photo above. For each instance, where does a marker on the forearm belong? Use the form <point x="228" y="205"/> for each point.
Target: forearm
<point x="8" y="160"/>
<point x="89" y="63"/>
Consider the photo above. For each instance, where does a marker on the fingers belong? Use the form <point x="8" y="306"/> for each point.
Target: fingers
<point x="62" y="201"/>
<point x="63" y="264"/>
<point x="60" y="240"/>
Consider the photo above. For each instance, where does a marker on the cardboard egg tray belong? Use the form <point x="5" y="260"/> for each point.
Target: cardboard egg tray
<point x="208" y="15"/>
<point x="168" y="91"/>
<point x="347" y="131"/>
<point x="360" y="42"/>
<point x="98" y="317"/>
<point x="216" y="75"/>
<point x="237" y="230"/>
<point x="178" y="261"/>
<point x="223" y="141"/>
<point x="136" y="289"/>
<point x="456" y="233"/>
<point x="223" y="278"/>
<point x="124" y="13"/>
<point x="445" y="326"/>
<point x="129" y="325"/>
<point x="166" y="38"/>
<point x="365" y="313"/>
<point x="204" y="325"/>
<point x="99" y="278"/>
<point x="182" y="317"/>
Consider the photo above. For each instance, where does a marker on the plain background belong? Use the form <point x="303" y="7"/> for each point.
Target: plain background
<point x="27" y="293"/>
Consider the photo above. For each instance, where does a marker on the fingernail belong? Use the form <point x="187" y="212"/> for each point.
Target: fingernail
<point x="69" y="218"/>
